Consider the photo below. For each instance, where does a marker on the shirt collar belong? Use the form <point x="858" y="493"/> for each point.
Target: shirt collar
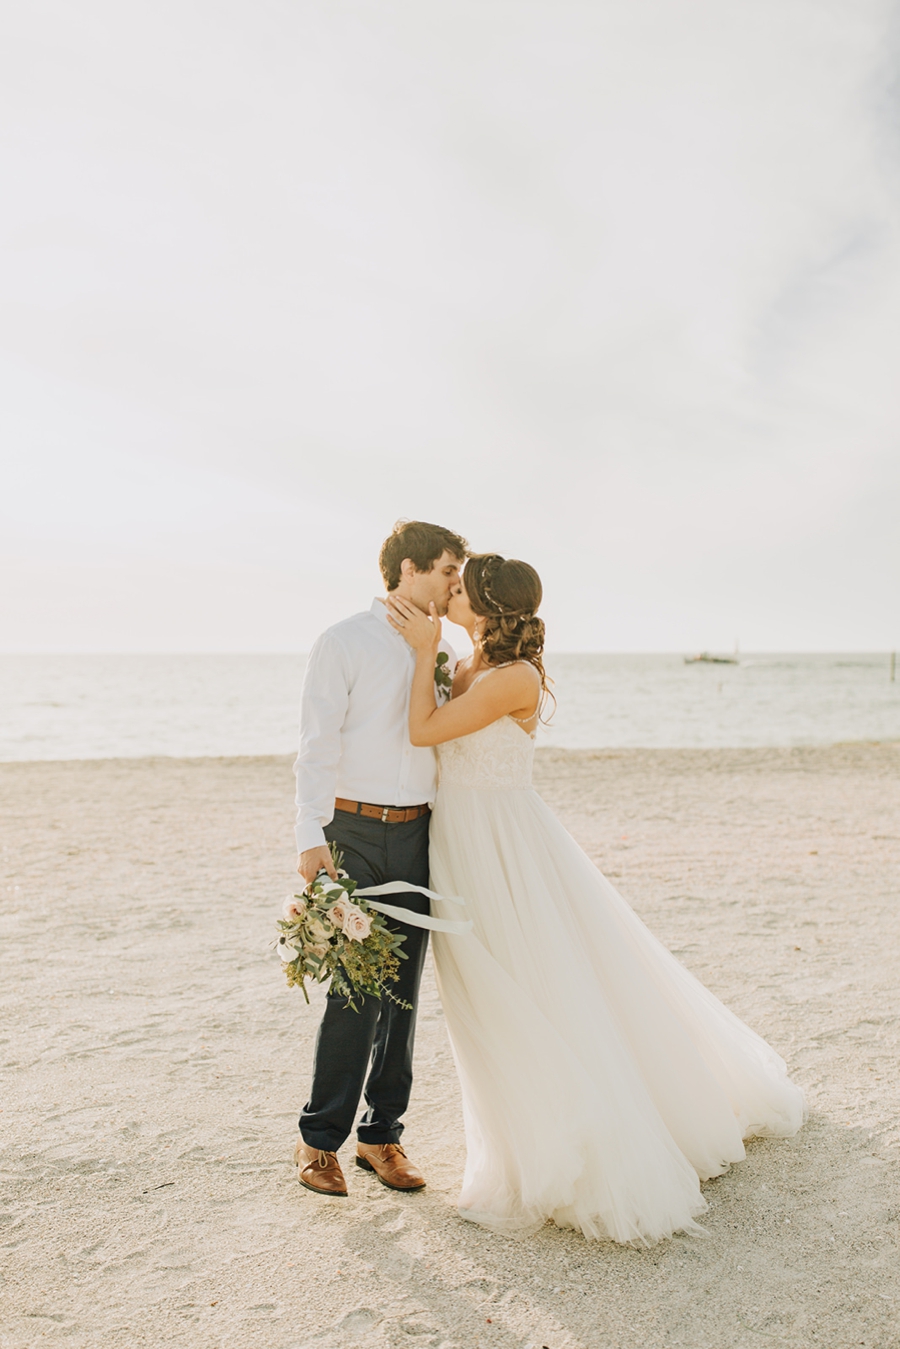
<point x="379" y="609"/>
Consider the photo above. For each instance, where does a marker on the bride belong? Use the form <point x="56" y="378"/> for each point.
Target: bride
<point x="600" y="1080"/>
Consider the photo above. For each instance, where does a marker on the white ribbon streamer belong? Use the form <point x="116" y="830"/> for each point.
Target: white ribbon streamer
<point x="458" y="926"/>
<point x="398" y="887"/>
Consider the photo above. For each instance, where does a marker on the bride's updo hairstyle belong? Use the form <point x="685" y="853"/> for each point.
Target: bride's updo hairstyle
<point x="506" y="595"/>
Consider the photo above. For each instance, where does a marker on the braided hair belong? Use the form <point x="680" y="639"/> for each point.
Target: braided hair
<point x="506" y="594"/>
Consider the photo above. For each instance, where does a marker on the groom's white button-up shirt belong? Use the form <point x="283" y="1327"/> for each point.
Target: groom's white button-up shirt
<point x="354" y="724"/>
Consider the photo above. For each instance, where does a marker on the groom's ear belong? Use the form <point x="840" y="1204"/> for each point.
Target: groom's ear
<point x="407" y="569"/>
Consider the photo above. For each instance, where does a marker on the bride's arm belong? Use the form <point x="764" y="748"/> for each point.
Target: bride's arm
<point x="512" y="689"/>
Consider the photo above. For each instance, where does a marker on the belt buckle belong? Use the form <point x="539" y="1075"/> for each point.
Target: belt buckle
<point x="386" y="810"/>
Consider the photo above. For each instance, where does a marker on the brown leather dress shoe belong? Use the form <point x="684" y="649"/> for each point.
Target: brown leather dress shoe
<point x="390" y="1164"/>
<point x="319" y="1171"/>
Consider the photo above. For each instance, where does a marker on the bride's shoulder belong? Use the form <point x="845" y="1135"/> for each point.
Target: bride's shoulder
<point x="520" y="670"/>
<point x="514" y="677"/>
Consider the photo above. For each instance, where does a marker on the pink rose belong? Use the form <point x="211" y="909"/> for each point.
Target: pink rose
<point x="357" y="925"/>
<point x="294" y="907"/>
<point x="337" y="914"/>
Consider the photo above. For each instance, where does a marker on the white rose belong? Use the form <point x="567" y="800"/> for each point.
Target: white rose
<point x="294" y="907"/>
<point x="319" y="928"/>
<point x="287" y="953"/>
<point x="326" y="886"/>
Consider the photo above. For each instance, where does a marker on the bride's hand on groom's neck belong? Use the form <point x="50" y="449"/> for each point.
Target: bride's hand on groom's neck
<point x="421" y="631"/>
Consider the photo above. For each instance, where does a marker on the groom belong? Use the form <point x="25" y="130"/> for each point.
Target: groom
<point x="364" y="787"/>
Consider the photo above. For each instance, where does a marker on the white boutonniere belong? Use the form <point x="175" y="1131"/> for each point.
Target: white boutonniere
<point x="443" y="679"/>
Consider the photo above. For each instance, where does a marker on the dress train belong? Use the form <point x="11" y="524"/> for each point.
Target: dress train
<point x="600" y="1080"/>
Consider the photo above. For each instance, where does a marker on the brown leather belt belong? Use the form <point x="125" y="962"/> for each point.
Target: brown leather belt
<point x="386" y="814"/>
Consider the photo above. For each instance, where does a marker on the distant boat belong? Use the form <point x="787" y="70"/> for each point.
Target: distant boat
<point x="706" y="659"/>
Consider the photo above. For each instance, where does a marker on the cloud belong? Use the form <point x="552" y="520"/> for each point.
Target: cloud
<point x="611" y="287"/>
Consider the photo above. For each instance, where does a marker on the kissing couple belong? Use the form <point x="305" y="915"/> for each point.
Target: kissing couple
<point x="601" y="1082"/>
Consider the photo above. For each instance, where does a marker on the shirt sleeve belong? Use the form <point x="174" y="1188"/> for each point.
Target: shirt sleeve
<point x="323" y="706"/>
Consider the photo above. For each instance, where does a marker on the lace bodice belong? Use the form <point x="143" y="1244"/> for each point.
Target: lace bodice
<point x="500" y="756"/>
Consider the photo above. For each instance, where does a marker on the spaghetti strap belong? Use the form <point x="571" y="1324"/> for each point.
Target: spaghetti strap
<point x="522" y="720"/>
<point x="492" y="668"/>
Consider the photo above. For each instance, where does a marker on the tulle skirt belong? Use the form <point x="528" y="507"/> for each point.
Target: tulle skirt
<point x="600" y="1080"/>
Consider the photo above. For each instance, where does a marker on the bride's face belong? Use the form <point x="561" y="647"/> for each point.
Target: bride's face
<point x="459" y="610"/>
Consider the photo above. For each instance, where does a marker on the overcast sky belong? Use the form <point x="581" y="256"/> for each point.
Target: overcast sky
<point x="609" y="285"/>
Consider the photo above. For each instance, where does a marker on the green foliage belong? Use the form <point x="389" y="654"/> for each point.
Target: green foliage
<point x="356" y="967"/>
<point x="443" y="679"/>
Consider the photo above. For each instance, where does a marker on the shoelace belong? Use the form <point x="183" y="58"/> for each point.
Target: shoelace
<point x="322" y="1159"/>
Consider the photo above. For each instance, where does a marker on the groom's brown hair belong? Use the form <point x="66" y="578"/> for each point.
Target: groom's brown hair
<point x="422" y="543"/>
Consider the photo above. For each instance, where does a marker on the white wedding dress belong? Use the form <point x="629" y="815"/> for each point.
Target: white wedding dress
<point x="600" y="1080"/>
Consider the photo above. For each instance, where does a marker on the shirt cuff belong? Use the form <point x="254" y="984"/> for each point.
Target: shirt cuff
<point x="310" y="835"/>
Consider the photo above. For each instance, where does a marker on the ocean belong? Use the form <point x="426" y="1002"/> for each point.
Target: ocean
<point x="108" y="706"/>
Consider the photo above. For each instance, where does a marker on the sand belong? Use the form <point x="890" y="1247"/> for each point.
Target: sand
<point x="154" y="1062"/>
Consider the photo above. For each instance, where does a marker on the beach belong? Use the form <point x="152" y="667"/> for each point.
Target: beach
<point x="154" y="1063"/>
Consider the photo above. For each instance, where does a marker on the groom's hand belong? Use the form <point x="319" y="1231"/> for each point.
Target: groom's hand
<point x="312" y="862"/>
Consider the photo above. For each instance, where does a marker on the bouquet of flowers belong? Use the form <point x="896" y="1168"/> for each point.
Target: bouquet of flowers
<point x="326" y="934"/>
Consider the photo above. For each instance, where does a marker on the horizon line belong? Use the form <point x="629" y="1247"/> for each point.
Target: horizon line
<point x="644" y="651"/>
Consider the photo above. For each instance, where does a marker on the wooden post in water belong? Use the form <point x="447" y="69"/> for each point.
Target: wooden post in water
<point x="893" y="665"/>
